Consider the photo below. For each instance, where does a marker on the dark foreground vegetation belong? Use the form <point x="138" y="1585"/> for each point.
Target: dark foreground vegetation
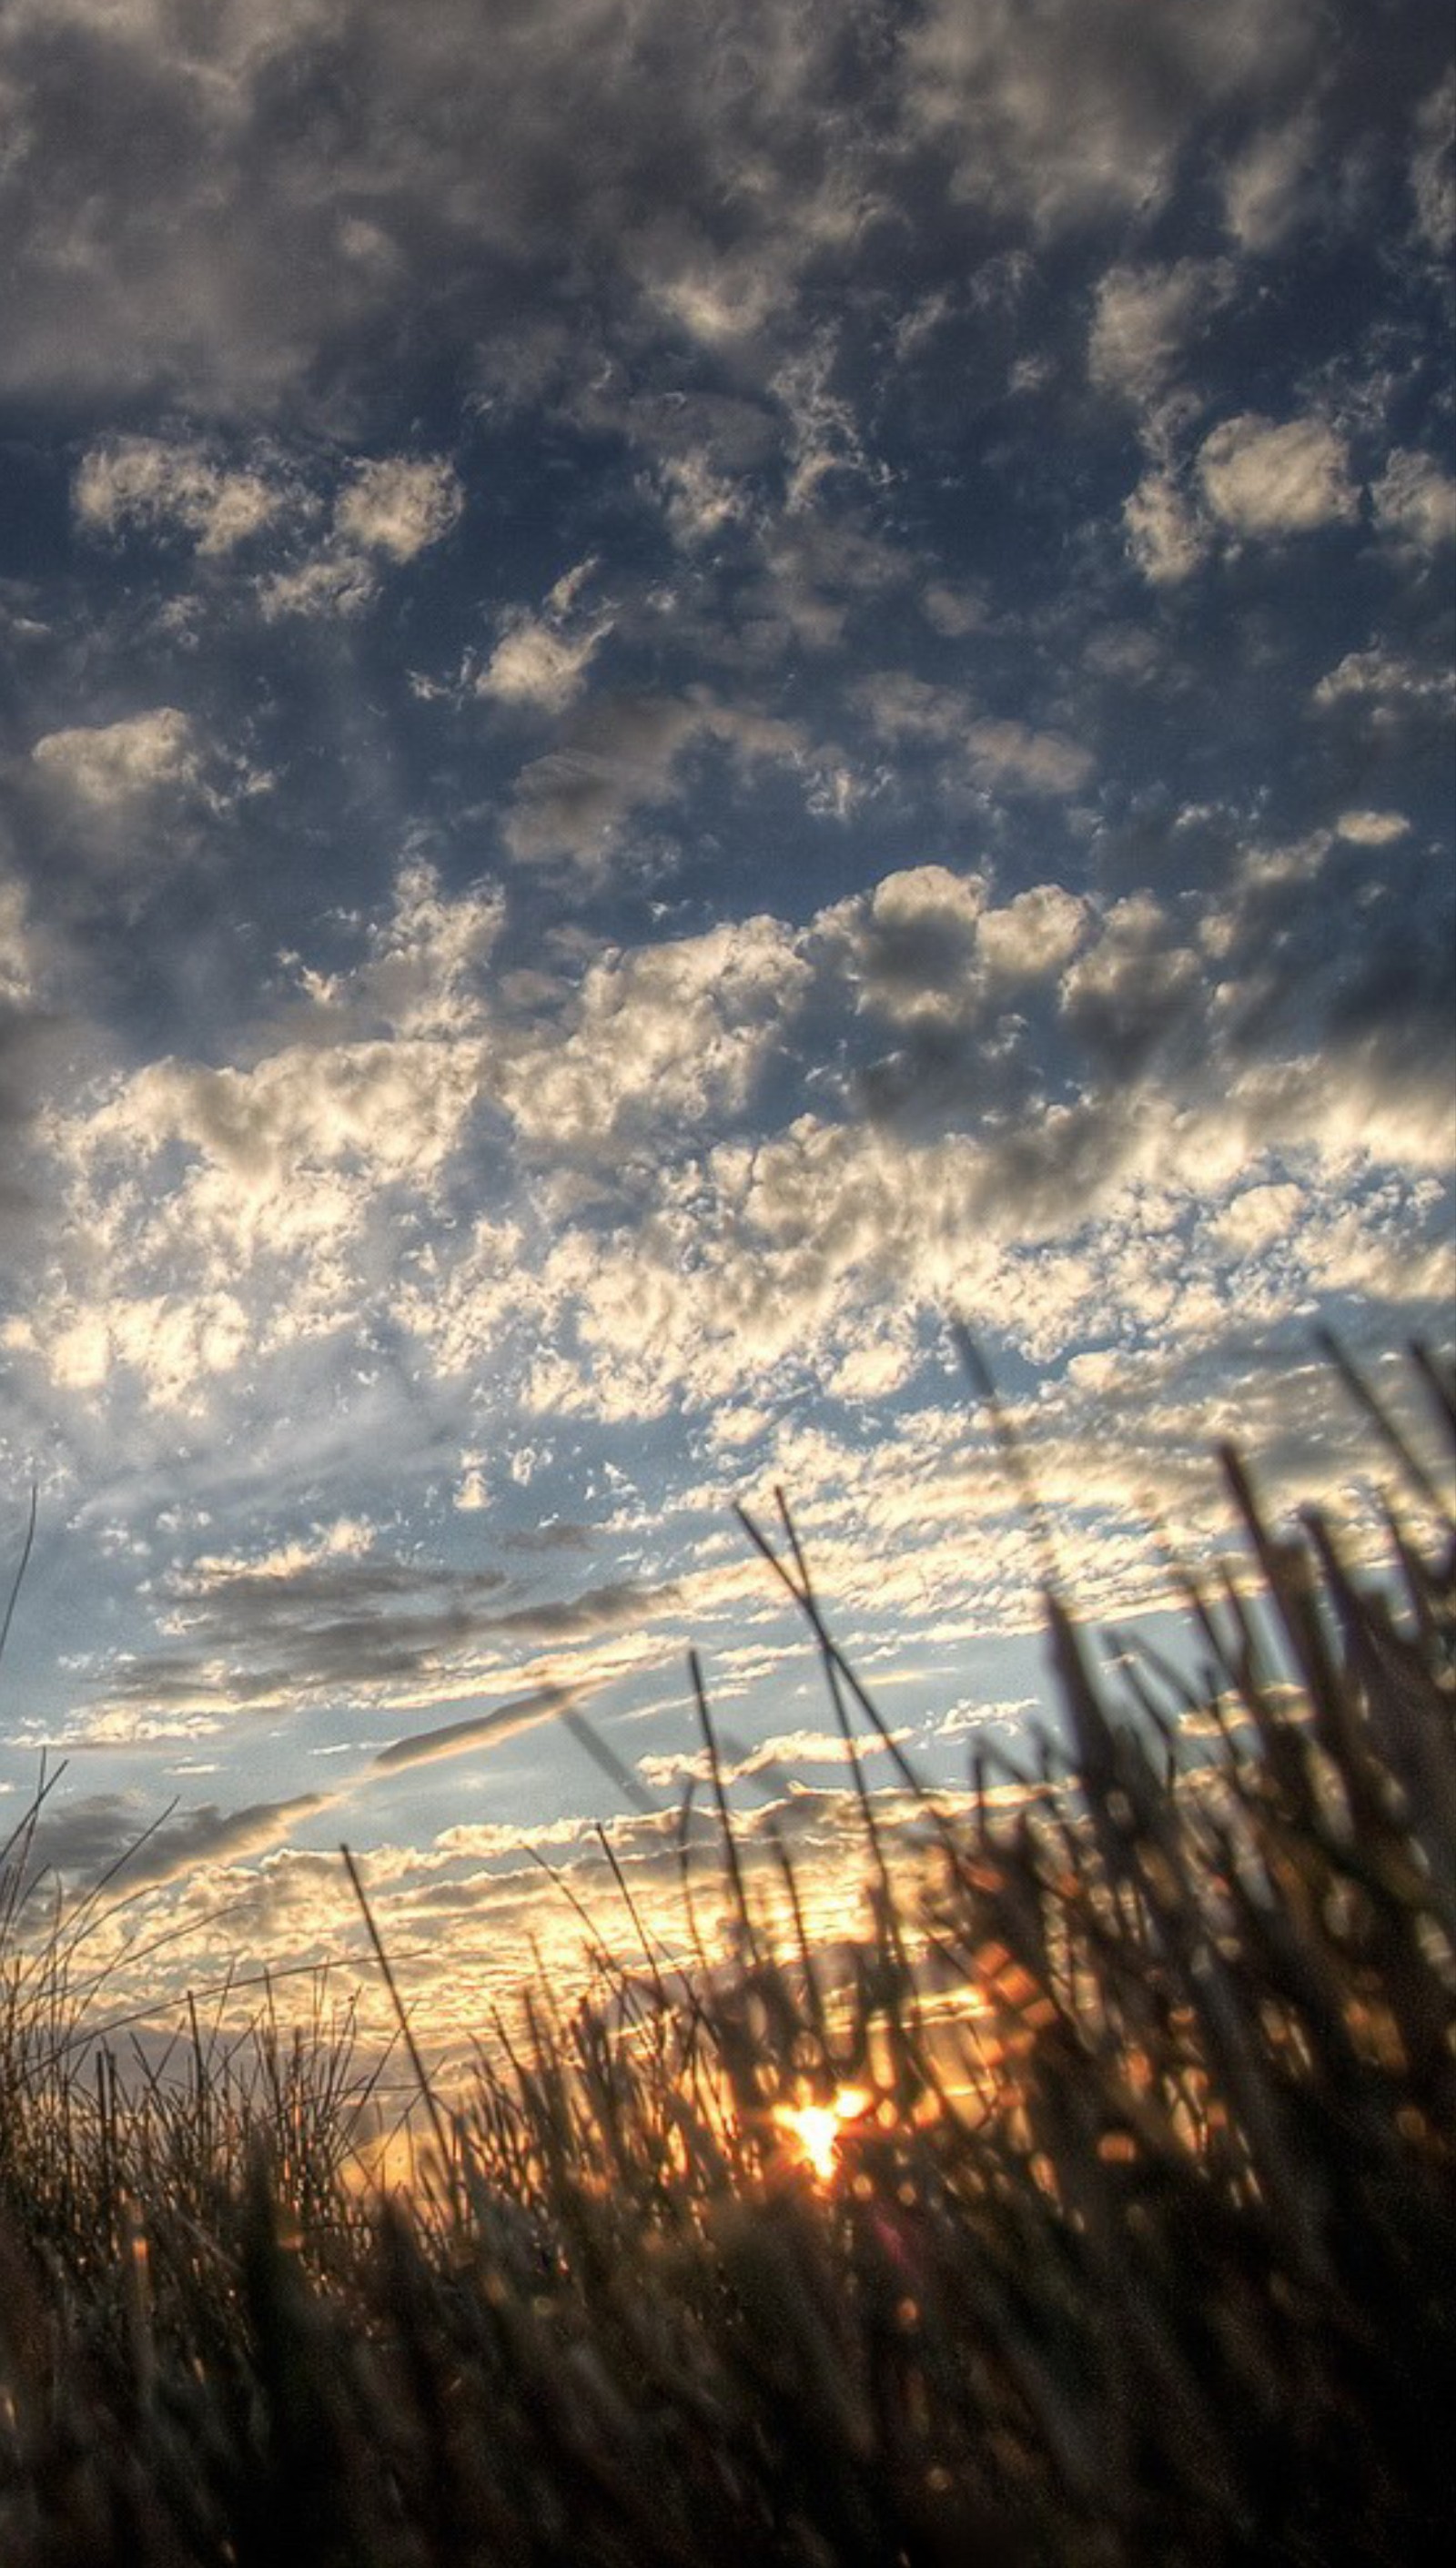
<point x="1148" y="2255"/>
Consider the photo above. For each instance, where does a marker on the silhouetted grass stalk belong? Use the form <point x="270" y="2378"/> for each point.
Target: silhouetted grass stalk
<point x="1103" y="2212"/>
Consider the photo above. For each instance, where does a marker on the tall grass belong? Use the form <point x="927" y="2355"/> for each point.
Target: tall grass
<point x="1137" y="2245"/>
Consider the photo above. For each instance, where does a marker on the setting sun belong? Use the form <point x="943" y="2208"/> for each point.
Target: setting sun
<point x="814" y="2129"/>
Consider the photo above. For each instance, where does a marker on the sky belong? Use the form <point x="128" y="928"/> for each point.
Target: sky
<point x="687" y="692"/>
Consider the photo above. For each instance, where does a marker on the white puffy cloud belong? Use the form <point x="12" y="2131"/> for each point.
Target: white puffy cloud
<point x="210" y="1213"/>
<point x="1251" y="477"/>
<point x="1133" y="986"/>
<point x="392" y="508"/>
<point x="328" y="583"/>
<point x="109" y="763"/>
<point x="699" y="501"/>
<point x="158" y="484"/>
<point x="953" y="611"/>
<point x="1143" y="320"/>
<point x="399" y="506"/>
<point x="1372" y="828"/>
<point x="1259" y="1217"/>
<point x="1164" y="533"/>
<point x="542" y="660"/>
<point x="535" y="663"/>
<point x="131" y="800"/>
<point x="644" y="1245"/>
<point x="175" y="1342"/>
<point x="1034" y="934"/>
<point x="1261" y="478"/>
<point x="658" y="1039"/>
<point x="913" y="945"/>
<point x="1385" y="678"/>
<point x="391" y="1109"/>
<point x="714" y="299"/>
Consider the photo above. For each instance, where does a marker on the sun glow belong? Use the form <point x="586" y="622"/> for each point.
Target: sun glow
<point x="815" y="2128"/>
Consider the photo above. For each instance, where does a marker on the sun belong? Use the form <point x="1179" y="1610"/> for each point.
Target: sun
<point x="815" y="2128"/>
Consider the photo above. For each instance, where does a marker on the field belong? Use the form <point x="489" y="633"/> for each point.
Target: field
<point x="1103" y="2214"/>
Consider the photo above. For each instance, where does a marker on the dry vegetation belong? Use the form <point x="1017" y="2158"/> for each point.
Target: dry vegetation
<point x="1142" y="2251"/>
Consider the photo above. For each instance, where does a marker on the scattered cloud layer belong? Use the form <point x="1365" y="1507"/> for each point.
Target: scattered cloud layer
<point x="682" y="695"/>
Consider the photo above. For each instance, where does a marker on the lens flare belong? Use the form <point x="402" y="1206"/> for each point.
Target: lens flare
<point x="814" y="2129"/>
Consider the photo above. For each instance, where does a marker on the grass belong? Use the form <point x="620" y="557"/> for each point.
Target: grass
<point x="1132" y="2238"/>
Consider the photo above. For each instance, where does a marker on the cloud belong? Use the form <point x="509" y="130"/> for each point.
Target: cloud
<point x="820" y="572"/>
<point x="1415" y="502"/>
<point x="623" y="754"/>
<point x="248" y="218"/>
<point x="1372" y="828"/>
<point x="541" y="661"/>
<point x="336" y="583"/>
<point x="1133" y="988"/>
<point x="661" y="1037"/>
<point x="1433" y="167"/>
<point x="318" y="1623"/>
<point x="1009" y="753"/>
<point x="33" y="1032"/>
<point x="678" y="1206"/>
<point x="1266" y="185"/>
<point x="1080" y="112"/>
<point x="904" y="707"/>
<point x="505" y="1721"/>
<point x="1034" y="935"/>
<point x="211" y="1212"/>
<point x="130" y="802"/>
<point x="1143" y="320"/>
<point x="333" y="1103"/>
<point x="1259" y="1217"/>
<point x="388" y="1109"/>
<point x="1251" y="479"/>
<point x="912" y="941"/>
<point x="392" y="510"/>
<point x="1004" y="751"/>
<point x="100" y="1835"/>
<point x="1263" y="479"/>
<point x="108" y="763"/>
<point x="399" y="506"/>
<point x="1391" y="691"/>
<point x="160" y="485"/>
<point x="1164" y="534"/>
<point x="597" y="1609"/>
<point x="348" y="1537"/>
